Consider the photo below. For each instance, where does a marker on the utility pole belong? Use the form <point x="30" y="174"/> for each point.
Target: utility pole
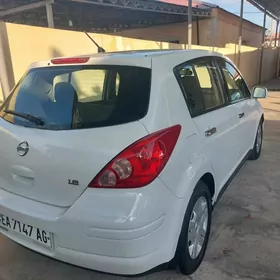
<point x="271" y="32"/>
<point x="5" y="80"/>
<point x="277" y="49"/>
<point x="50" y="19"/>
<point x="189" y="24"/>
<point x="262" y="49"/>
<point x="240" y="32"/>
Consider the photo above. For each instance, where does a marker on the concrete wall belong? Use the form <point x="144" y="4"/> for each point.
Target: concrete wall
<point x="26" y="44"/>
<point x="164" y="33"/>
<point x="221" y="29"/>
<point x="269" y="64"/>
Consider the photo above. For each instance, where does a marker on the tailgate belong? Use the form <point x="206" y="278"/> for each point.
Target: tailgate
<point x="58" y="165"/>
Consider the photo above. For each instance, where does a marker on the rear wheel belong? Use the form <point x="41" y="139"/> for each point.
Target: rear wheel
<point x="256" y="152"/>
<point x="195" y="231"/>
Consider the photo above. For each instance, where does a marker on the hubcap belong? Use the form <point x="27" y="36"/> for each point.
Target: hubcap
<point x="197" y="227"/>
<point x="259" y="139"/>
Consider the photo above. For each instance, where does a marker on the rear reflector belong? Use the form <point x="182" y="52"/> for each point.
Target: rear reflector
<point x="140" y="163"/>
<point x="70" y="60"/>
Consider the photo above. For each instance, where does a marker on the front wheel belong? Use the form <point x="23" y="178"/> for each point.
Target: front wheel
<point x="256" y="152"/>
<point x="195" y="231"/>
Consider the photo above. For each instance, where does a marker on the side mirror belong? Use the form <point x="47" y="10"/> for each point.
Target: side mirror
<point x="260" y="92"/>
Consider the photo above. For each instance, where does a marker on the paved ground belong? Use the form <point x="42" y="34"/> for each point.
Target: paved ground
<point x="245" y="241"/>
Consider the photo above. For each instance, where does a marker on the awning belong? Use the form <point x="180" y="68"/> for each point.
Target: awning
<point x="98" y="15"/>
<point x="272" y="7"/>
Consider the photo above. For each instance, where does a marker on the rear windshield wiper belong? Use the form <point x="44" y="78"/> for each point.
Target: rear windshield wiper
<point x="26" y="116"/>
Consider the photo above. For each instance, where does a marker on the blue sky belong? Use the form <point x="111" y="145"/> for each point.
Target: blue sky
<point x="250" y="12"/>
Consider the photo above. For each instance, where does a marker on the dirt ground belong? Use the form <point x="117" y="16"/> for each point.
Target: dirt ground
<point x="245" y="239"/>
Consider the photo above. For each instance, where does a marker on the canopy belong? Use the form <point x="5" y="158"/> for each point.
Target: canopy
<point x="272" y="7"/>
<point x="97" y="15"/>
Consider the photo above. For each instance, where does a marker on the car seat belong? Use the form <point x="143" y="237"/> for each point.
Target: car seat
<point x="66" y="100"/>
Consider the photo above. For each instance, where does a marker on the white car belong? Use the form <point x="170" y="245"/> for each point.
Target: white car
<point x="114" y="161"/>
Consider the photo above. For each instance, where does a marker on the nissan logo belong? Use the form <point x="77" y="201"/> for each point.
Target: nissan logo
<point x="22" y="148"/>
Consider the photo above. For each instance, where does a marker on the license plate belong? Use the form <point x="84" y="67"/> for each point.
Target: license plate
<point x="40" y="236"/>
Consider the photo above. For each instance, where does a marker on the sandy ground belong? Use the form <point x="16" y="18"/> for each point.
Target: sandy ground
<point x="245" y="239"/>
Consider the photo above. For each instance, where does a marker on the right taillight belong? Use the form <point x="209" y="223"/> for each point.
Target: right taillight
<point x="140" y="163"/>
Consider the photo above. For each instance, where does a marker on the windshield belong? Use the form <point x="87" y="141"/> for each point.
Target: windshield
<point x="72" y="97"/>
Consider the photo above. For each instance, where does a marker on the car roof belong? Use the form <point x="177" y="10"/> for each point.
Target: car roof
<point x="141" y="58"/>
<point x="156" y="53"/>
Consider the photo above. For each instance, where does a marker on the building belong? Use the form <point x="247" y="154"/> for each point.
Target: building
<point x="221" y="29"/>
<point x="272" y="40"/>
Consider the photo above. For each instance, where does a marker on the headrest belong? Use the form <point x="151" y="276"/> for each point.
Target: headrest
<point x="64" y="92"/>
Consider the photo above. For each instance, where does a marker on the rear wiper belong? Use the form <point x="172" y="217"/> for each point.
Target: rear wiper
<point x="26" y="116"/>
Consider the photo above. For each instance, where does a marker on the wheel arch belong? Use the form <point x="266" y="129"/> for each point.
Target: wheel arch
<point x="209" y="181"/>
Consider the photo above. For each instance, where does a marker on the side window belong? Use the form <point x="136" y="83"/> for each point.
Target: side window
<point x="89" y="84"/>
<point x="200" y="81"/>
<point x="117" y="84"/>
<point x="112" y="89"/>
<point x="236" y="86"/>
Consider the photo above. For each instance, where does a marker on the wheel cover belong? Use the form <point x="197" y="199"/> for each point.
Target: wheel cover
<point x="259" y="139"/>
<point x="198" y="225"/>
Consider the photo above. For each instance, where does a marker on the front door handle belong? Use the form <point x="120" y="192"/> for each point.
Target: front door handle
<point x="210" y="132"/>
<point x="241" y="115"/>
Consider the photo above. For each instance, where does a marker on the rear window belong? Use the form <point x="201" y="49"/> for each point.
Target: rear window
<point x="72" y="97"/>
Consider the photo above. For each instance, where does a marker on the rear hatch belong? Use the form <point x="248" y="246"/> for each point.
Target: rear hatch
<point x="61" y="125"/>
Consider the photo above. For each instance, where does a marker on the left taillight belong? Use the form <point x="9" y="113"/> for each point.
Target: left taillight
<point x="140" y="163"/>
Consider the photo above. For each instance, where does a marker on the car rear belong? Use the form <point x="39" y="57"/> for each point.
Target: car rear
<point x="79" y="174"/>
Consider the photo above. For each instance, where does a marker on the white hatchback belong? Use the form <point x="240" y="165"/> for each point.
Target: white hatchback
<point x="114" y="161"/>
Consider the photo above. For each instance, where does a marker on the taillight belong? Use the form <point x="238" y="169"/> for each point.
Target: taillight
<point x="70" y="60"/>
<point x="140" y="163"/>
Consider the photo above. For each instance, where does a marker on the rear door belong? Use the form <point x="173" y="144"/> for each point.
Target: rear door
<point x="240" y="99"/>
<point x="61" y="125"/>
<point x="213" y="117"/>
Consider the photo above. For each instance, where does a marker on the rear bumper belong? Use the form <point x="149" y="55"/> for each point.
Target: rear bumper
<point x="116" y="231"/>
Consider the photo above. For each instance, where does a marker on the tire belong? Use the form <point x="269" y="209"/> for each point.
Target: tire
<point x="187" y="258"/>
<point x="256" y="152"/>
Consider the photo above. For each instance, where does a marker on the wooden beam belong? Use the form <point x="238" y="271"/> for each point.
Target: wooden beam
<point x="25" y="8"/>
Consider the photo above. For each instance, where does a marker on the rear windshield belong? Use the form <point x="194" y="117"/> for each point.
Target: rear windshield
<point x="71" y="97"/>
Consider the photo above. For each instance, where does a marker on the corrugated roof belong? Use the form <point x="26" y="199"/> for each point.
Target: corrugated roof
<point x="271" y="6"/>
<point x="98" y="15"/>
<point x="196" y="4"/>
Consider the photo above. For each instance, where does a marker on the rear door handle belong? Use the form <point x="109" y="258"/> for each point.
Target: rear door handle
<point x="241" y="115"/>
<point x="210" y="132"/>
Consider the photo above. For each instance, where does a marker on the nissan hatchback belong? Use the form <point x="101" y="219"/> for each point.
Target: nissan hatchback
<point x="114" y="161"/>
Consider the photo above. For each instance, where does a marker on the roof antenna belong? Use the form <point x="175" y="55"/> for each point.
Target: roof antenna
<point x="99" y="49"/>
